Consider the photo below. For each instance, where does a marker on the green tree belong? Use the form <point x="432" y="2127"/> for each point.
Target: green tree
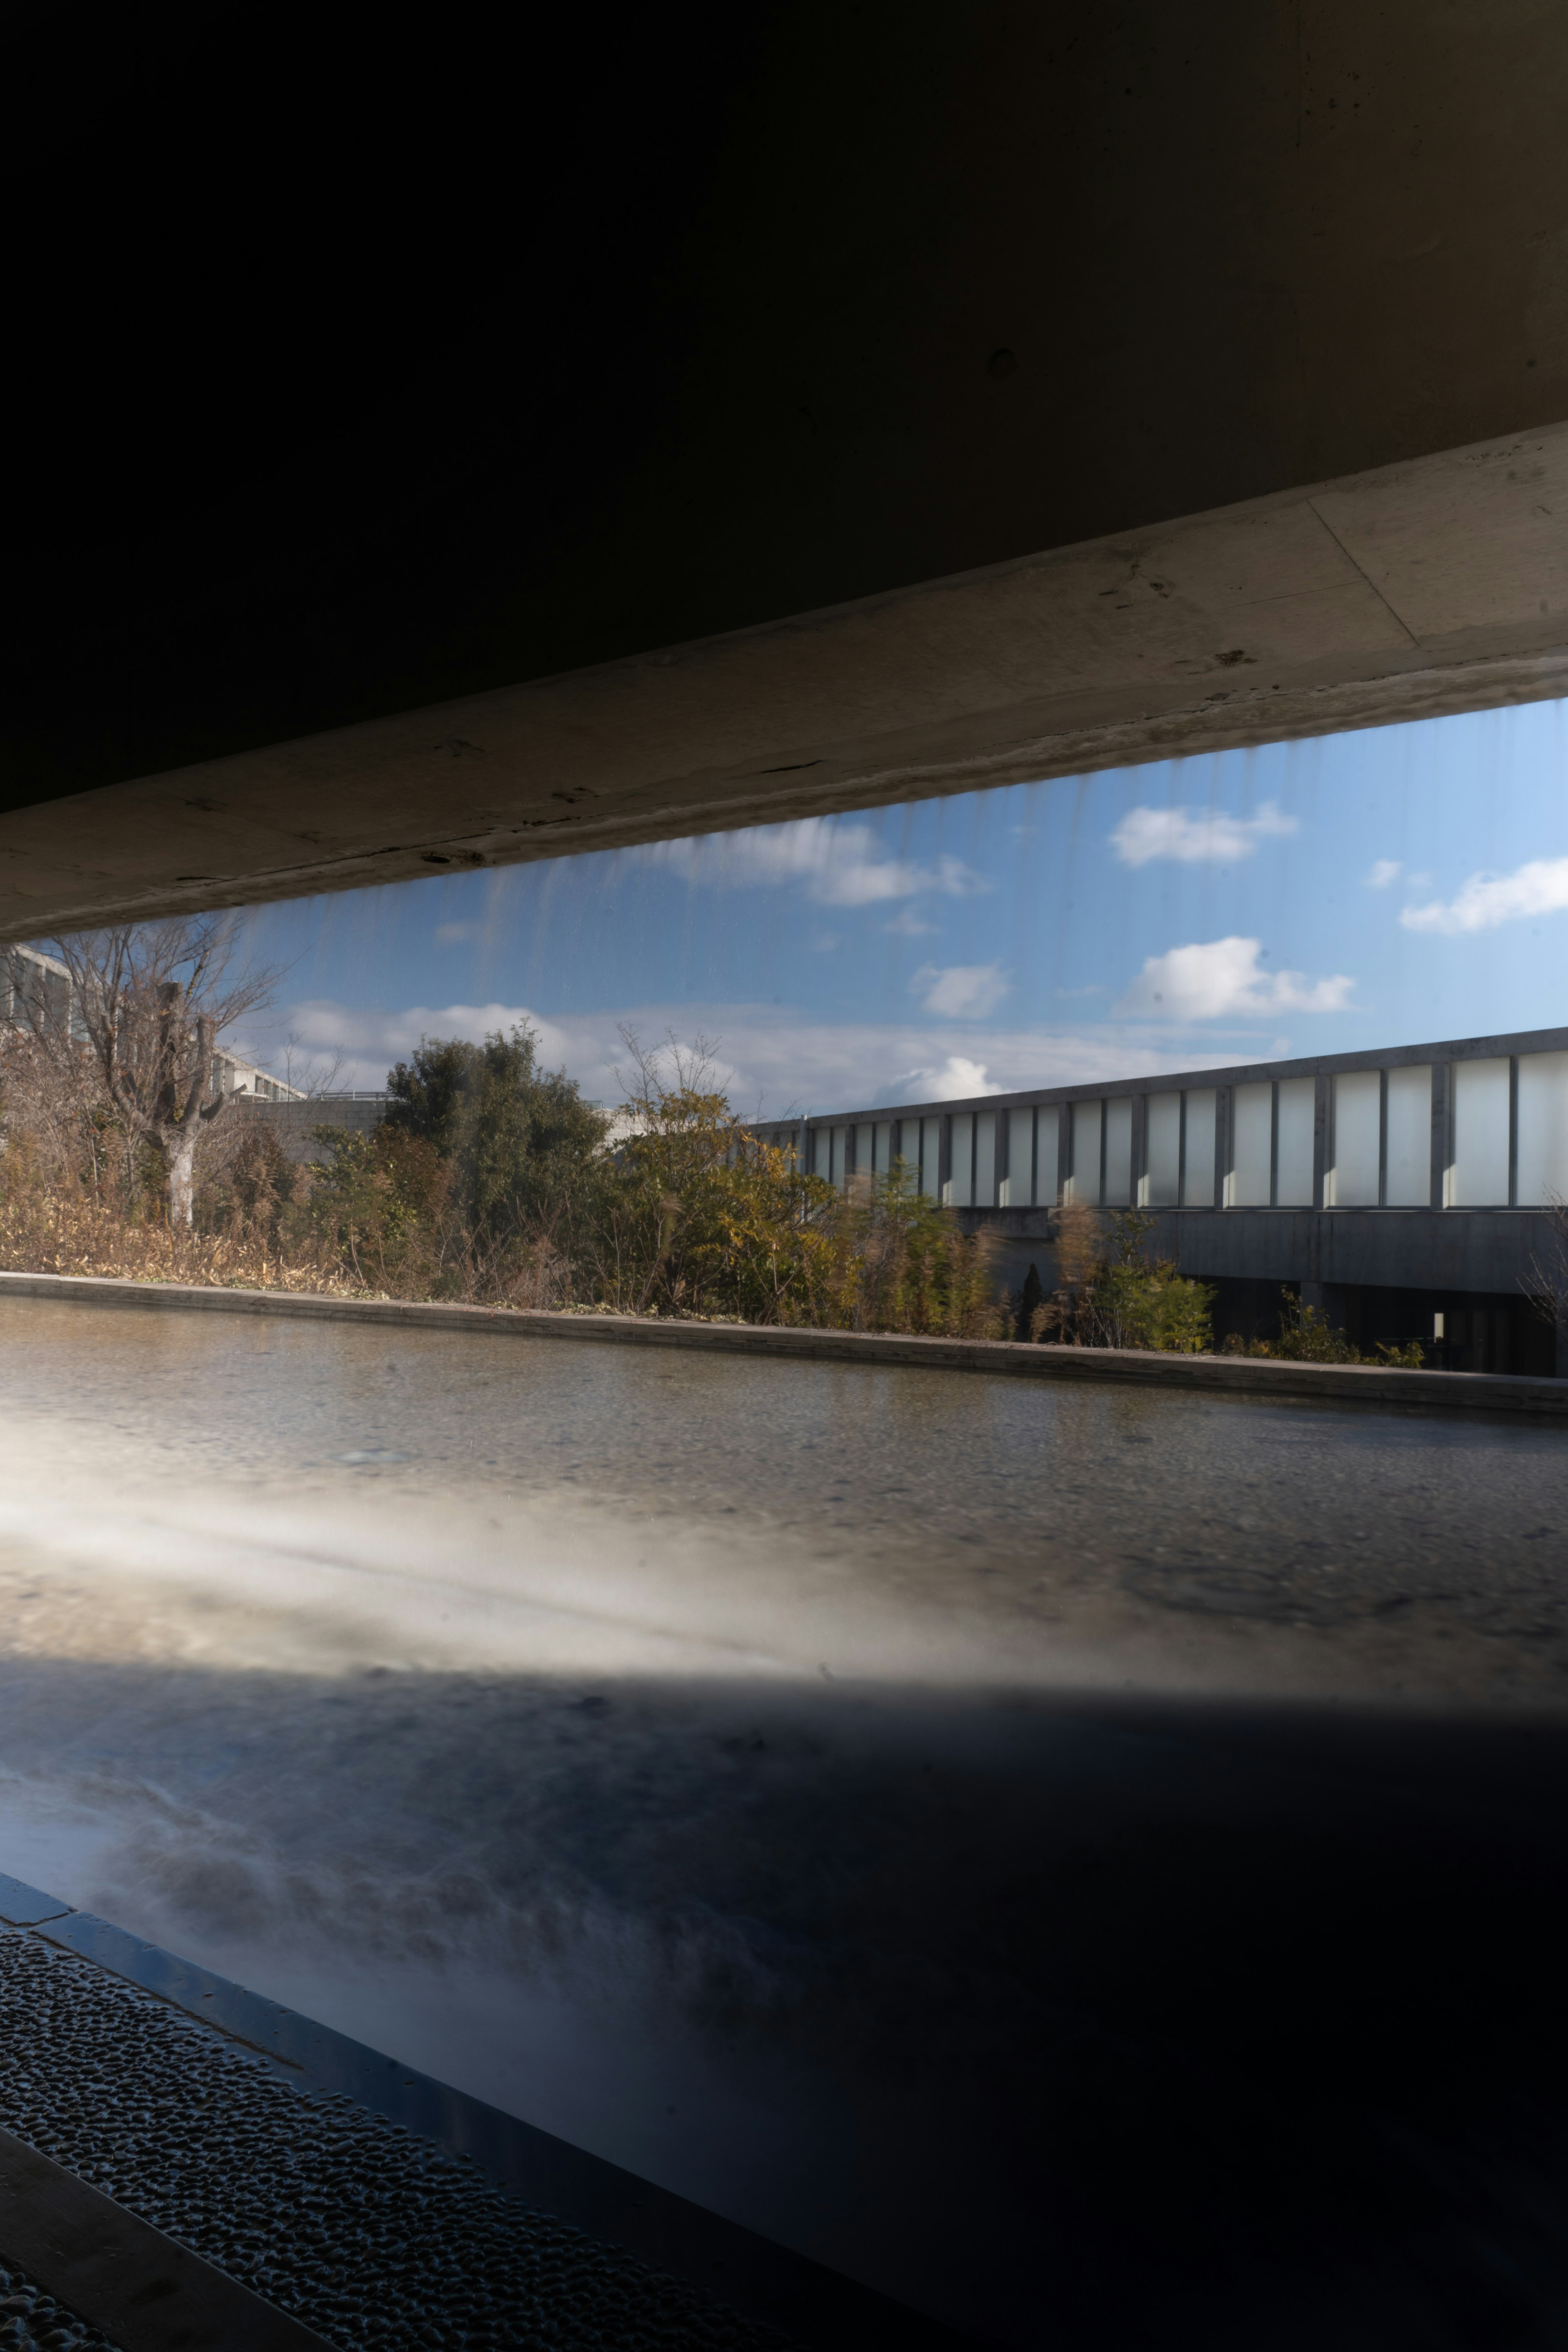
<point x="523" y="1150"/>
<point x="701" y="1217"/>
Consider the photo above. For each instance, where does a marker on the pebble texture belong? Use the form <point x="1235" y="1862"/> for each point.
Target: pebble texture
<point x="366" y="2233"/>
<point x="32" y="2321"/>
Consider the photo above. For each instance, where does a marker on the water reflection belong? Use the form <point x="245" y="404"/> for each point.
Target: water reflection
<point x="1012" y="1843"/>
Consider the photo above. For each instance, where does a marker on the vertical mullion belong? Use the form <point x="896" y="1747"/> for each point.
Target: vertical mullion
<point x="1513" y="1130"/>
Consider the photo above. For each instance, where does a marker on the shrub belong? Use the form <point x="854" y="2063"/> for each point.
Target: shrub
<point x="1112" y="1294"/>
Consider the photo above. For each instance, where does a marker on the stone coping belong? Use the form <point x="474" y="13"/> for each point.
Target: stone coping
<point x="1218" y="1375"/>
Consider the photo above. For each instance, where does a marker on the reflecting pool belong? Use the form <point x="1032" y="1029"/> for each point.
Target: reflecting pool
<point x="1084" y="1861"/>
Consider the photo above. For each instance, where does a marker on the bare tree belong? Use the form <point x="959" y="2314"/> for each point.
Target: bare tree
<point x="149" y="1004"/>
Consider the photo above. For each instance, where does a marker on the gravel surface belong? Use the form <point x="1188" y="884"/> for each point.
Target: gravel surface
<point x="32" y="2321"/>
<point x="366" y="2233"/>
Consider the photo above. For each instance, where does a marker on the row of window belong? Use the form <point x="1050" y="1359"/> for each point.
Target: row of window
<point x="1499" y="1125"/>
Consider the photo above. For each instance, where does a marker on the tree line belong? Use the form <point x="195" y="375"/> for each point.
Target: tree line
<point x="490" y="1179"/>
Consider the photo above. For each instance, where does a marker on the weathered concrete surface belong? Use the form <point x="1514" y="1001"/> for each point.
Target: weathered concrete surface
<point x="1406" y="1249"/>
<point x="478" y="373"/>
<point x="1433" y="586"/>
<point x="1221" y="1375"/>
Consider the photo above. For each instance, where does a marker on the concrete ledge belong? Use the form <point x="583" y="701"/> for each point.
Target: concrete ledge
<point x="1221" y="1375"/>
<point x="805" y="2303"/>
<point x="145" y="2291"/>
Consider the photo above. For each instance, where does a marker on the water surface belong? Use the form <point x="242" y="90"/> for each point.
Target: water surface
<point x="915" y="1812"/>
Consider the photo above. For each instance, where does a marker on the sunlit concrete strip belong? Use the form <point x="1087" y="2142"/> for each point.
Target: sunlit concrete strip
<point x="1432" y="586"/>
<point x="1219" y="1375"/>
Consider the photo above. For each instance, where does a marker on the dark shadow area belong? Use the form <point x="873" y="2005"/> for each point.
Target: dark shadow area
<point x="1083" y="2023"/>
<point x="1460" y="1331"/>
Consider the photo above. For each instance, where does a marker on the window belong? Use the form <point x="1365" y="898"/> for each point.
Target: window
<point x="1296" y="1122"/>
<point x="1250" y="1184"/>
<point x="1119" y="1151"/>
<point x="1543" y="1172"/>
<point x="1160" y="1187"/>
<point x="985" y="1159"/>
<point x="1083" y="1183"/>
<point x="1478" y="1166"/>
<point x="960" y="1184"/>
<point x="1409" y="1184"/>
<point x="1351" y="1178"/>
<point x="1202" y="1118"/>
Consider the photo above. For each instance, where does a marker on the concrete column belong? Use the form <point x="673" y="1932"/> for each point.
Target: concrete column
<point x="1321" y="1141"/>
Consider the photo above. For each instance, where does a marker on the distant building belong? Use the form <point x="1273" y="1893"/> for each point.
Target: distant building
<point x="1408" y="1191"/>
<point x="294" y="1117"/>
<point x="233" y="1077"/>
<point x="35" y="989"/>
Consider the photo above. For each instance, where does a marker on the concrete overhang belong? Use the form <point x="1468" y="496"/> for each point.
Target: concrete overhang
<point x="1432" y="586"/>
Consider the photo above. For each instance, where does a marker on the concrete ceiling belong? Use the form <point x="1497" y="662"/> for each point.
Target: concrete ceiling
<point x="426" y="454"/>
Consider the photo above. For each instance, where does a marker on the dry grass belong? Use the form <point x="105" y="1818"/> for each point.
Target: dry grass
<point x="46" y="1232"/>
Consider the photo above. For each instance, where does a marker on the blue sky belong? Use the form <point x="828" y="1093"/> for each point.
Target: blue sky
<point x="1359" y="890"/>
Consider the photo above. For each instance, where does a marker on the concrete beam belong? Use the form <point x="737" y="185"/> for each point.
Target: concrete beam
<point x="1436" y="585"/>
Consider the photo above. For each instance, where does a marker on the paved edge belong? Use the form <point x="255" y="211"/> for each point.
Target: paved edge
<point x="144" y="2291"/>
<point x="1215" y="1375"/>
<point x="817" y="2308"/>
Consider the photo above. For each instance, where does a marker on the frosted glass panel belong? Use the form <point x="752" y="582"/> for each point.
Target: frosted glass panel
<point x="1197" y="1189"/>
<point x="1083" y="1184"/>
<point x="1048" y="1126"/>
<point x="1409" y="1137"/>
<point x="1542" y="1130"/>
<point x="1160" y="1186"/>
<point x="1298" y="1113"/>
<point x="961" y="1185"/>
<point x="1012" y="1186"/>
<point x="882" y="1146"/>
<point x="1119" y="1152"/>
<point x="1478" y="1172"/>
<point x="1252" y="1147"/>
<point x="930" y="1156"/>
<point x="984" y="1159"/>
<point x="1350" y="1181"/>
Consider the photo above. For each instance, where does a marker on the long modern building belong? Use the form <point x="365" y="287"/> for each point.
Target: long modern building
<point x="1409" y="1192"/>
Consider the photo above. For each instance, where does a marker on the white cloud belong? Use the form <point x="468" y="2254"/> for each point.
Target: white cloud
<point x="841" y="865"/>
<point x="769" y="1057"/>
<point x="1386" y="870"/>
<point x="956" y="1079"/>
<point x="1541" y="887"/>
<point x="960" y="992"/>
<point x="1196" y="836"/>
<point x="910" y="923"/>
<point x="1206" y="982"/>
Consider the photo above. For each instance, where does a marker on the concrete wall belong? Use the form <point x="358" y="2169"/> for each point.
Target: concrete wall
<point x="438" y="392"/>
<point x="293" y="1123"/>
